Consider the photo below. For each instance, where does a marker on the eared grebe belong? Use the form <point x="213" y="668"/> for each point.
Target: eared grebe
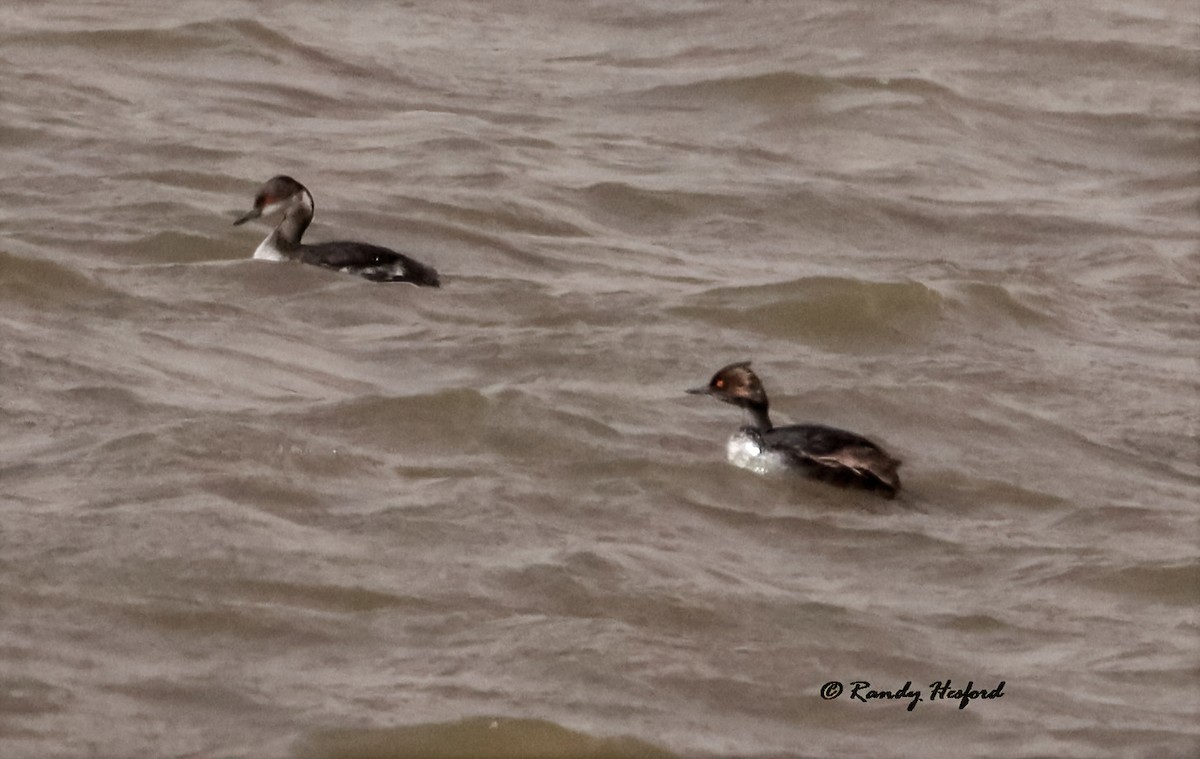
<point x="823" y="453"/>
<point x="287" y="196"/>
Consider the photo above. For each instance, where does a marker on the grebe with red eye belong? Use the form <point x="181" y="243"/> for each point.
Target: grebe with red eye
<point x="823" y="453"/>
<point x="284" y="195"/>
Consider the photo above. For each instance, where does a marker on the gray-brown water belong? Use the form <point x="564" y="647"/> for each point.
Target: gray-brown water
<point x="265" y="510"/>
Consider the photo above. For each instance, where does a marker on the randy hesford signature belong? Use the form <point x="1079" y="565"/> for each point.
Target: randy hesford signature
<point x="939" y="690"/>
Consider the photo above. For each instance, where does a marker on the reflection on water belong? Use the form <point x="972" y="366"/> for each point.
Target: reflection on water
<point x="482" y="737"/>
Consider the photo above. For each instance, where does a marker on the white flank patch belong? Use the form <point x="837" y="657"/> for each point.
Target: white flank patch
<point x="745" y="452"/>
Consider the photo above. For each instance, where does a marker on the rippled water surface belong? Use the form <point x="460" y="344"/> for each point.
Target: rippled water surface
<point x="252" y="509"/>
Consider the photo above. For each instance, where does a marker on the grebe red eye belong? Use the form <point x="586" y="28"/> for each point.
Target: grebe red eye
<point x="719" y="384"/>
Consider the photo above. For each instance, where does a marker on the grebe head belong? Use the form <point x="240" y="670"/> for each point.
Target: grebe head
<point x="279" y="194"/>
<point x="736" y="384"/>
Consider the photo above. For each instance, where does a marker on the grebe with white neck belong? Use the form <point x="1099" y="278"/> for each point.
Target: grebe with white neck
<point x="284" y="195"/>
